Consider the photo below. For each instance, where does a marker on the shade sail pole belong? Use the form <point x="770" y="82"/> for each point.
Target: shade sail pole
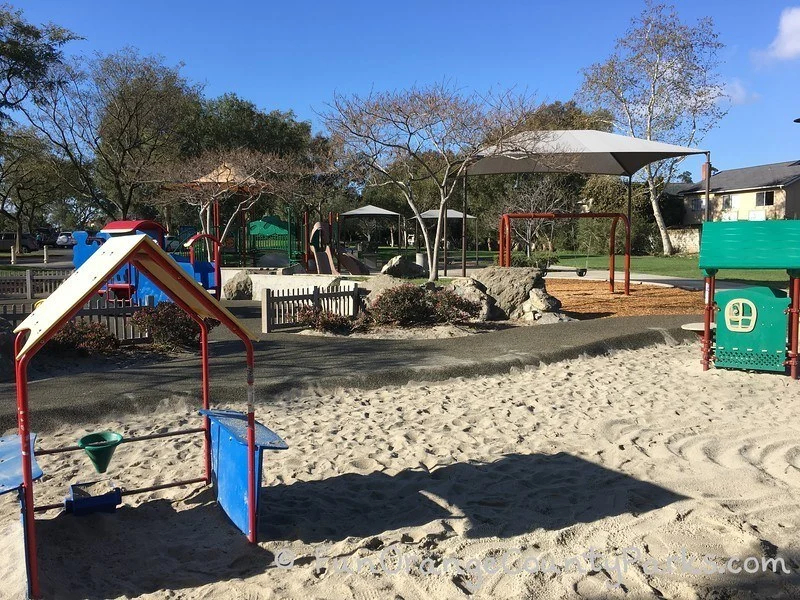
<point x="708" y="186"/>
<point x="464" y="229"/>
<point x="630" y="196"/>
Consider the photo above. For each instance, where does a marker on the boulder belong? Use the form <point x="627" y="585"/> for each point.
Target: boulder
<point x="400" y="266"/>
<point x="510" y="287"/>
<point x="239" y="287"/>
<point x="475" y="291"/>
<point x="540" y="301"/>
<point x="375" y="285"/>
<point x="552" y="317"/>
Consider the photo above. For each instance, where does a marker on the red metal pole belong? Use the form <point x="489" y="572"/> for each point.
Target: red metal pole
<point x="206" y="398"/>
<point x="500" y="243"/>
<point x="28" y="518"/>
<point x="252" y="534"/>
<point x="707" y="316"/>
<point x="794" y="326"/>
<point x="612" y="254"/>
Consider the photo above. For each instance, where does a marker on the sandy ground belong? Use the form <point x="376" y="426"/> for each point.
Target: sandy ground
<point x="484" y="488"/>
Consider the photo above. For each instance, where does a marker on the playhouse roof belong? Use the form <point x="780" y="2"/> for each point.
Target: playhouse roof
<point x="131" y="226"/>
<point x="140" y="249"/>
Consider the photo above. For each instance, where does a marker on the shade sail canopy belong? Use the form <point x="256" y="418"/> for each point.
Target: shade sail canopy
<point x="370" y="211"/>
<point x="164" y="272"/>
<point x="451" y="214"/>
<point x="574" y="151"/>
<point x="230" y="177"/>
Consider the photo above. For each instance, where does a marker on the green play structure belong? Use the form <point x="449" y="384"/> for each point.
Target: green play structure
<point x="754" y="328"/>
<point x="267" y="236"/>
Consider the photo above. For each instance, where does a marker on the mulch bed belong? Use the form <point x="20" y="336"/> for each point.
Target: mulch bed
<point x="584" y="299"/>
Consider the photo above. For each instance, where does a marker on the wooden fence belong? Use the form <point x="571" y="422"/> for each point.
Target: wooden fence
<point x="31" y="283"/>
<point x="280" y="308"/>
<point x="114" y="314"/>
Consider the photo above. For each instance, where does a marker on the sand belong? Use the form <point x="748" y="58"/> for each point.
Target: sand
<point x="638" y="452"/>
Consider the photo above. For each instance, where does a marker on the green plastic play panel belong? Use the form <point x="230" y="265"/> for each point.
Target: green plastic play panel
<point x="750" y="245"/>
<point x="751" y="329"/>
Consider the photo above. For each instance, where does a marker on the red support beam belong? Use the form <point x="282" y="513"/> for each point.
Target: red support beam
<point x="504" y="238"/>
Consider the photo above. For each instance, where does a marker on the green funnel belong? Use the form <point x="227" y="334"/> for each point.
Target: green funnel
<point x="100" y="448"/>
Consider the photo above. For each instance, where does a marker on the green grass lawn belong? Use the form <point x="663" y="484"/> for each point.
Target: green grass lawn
<point x="673" y="266"/>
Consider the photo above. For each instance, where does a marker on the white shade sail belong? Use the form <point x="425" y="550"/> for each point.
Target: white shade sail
<point x="451" y="214"/>
<point x="369" y="211"/>
<point x="574" y="151"/>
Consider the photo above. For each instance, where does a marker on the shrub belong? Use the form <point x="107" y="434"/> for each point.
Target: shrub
<point x="406" y="304"/>
<point x="449" y="307"/>
<point x="170" y="326"/>
<point x="85" y="338"/>
<point x="323" y="320"/>
<point x="409" y="304"/>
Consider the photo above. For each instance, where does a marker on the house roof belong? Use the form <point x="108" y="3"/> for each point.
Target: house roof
<point x="750" y="178"/>
<point x="140" y="249"/>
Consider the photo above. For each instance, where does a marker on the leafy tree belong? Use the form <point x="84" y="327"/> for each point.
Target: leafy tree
<point x="28" y="184"/>
<point x="116" y="122"/>
<point x="660" y="83"/>
<point x="27" y="53"/>
<point x="230" y="122"/>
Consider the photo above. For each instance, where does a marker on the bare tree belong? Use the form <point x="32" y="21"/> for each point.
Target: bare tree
<point x="238" y="179"/>
<point x="115" y="121"/>
<point x="428" y="134"/>
<point x="660" y="83"/>
<point x="542" y="193"/>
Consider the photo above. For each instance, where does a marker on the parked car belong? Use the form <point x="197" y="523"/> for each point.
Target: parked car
<point x="28" y="243"/>
<point x="46" y="236"/>
<point x="65" y="240"/>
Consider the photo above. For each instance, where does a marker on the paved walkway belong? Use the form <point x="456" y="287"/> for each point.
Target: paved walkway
<point x="84" y="390"/>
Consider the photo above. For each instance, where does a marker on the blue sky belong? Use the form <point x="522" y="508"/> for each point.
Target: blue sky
<point x="294" y="55"/>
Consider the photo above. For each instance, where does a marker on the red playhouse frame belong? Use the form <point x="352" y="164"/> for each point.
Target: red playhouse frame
<point x="145" y="255"/>
<point x="504" y="238"/>
<point x="217" y="262"/>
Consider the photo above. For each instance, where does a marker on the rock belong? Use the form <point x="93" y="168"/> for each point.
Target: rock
<point x="540" y="301"/>
<point x="239" y="287"/>
<point x="552" y="317"/>
<point x="402" y="267"/>
<point x="475" y="291"/>
<point x="510" y="287"/>
<point x="378" y="283"/>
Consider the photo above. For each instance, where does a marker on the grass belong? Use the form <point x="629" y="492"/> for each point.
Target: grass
<point x="673" y="266"/>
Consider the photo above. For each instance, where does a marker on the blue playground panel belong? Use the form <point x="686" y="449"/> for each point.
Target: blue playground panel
<point x="11" y="463"/>
<point x="202" y="271"/>
<point x="229" y="461"/>
<point x="11" y="480"/>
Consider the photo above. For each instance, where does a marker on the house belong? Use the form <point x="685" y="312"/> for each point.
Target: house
<point x="748" y="194"/>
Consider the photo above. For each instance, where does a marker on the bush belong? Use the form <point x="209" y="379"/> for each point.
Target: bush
<point x="323" y="320"/>
<point x="85" y="338"/>
<point x="170" y="326"/>
<point x="449" y="307"/>
<point x="409" y="304"/>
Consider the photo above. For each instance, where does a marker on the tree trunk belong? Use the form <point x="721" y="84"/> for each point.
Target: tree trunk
<point x="662" y="228"/>
<point x="18" y="231"/>
<point x="434" y="260"/>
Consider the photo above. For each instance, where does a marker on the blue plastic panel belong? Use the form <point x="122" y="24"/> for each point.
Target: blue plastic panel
<point x="229" y="461"/>
<point x="11" y="463"/>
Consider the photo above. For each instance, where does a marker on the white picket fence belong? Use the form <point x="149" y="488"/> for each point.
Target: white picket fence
<point x="280" y="308"/>
<point x="31" y="283"/>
